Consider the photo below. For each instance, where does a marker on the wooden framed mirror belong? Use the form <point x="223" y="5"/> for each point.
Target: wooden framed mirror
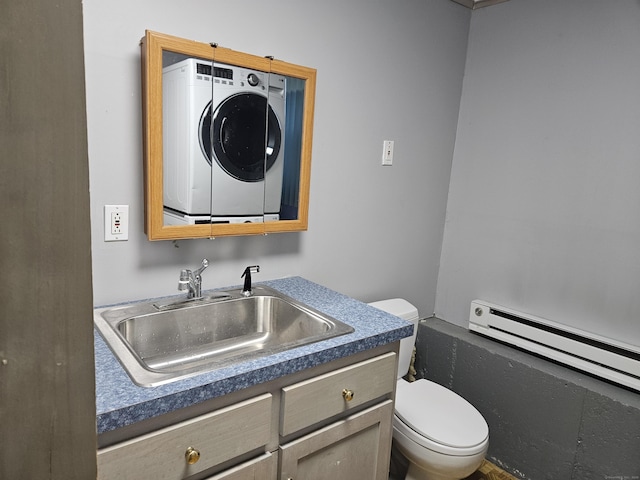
<point x="227" y="140"/>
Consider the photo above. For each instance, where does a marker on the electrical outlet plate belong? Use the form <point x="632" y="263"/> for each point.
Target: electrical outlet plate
<point x="116" y="223"/>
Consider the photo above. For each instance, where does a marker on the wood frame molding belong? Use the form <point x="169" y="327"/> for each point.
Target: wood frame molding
<point x="152" y="46"/>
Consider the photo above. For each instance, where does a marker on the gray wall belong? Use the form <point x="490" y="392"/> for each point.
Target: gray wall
<point x="542" y="205"/>
<point x="544" y="201"/>
<point x="542" y="217"/>
<point x="545" y="421"/>
<point x="386" y="70"/>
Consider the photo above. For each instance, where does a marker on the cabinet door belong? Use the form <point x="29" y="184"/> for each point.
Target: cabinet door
<point x="261" y="468"/>
<point x="357" y="447"/>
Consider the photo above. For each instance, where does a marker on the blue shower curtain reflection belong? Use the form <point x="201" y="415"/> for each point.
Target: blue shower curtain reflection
<point x="294" y="106"/>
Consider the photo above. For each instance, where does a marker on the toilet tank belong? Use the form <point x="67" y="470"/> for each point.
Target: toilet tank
<point x="403" y="309"/>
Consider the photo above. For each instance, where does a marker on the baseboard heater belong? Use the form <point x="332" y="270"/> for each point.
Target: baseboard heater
<point x="606" y="358"/>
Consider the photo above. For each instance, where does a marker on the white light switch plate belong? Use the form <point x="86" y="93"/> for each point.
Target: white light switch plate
<point x="387" y="152"/>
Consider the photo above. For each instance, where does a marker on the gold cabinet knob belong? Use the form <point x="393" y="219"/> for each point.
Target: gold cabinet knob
<point x="347" y="394"/>
<point x="192" y="455"/>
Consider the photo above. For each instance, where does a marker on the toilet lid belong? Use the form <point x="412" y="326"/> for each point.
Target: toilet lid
<point x="440" y="415"/>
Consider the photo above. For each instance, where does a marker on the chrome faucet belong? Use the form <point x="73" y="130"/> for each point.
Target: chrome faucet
<point x="192" y="281"/>
<point x="246" y="290"/>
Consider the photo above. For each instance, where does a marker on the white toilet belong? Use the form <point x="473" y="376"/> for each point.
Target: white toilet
<point x="441" y="434"/>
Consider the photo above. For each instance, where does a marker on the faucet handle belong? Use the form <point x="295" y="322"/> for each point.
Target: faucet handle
<point x="191" y="281"/>
<point x="205" y="264"/>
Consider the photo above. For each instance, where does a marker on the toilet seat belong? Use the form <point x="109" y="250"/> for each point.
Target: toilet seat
<point x="419" y="416"/>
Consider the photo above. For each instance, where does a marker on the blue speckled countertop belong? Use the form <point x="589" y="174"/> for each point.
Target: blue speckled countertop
<point x="120" y="402"/>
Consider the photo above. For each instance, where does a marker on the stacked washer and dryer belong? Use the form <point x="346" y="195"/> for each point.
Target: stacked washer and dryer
<point x="223" y="143"/>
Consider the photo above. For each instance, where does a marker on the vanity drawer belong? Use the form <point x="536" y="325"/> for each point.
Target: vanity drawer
<point x="217" y="436"/>
<point x="319" y="398"/>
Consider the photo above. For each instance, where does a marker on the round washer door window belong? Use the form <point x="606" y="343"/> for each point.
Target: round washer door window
<point x="240" y="143"/>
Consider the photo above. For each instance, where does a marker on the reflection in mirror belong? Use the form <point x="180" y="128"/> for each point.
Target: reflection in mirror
<point x="294" y="103"/>
<point x="186" y="93"/>
<point x="235" y="126"/>
<point x="215" y="119"/>
<point x="235" y="146"/>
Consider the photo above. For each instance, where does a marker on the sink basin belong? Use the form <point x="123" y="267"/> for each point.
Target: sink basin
<point x="162" y="342"/>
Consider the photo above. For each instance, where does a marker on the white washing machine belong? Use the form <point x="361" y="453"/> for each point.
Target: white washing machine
<point x="215" y="143"/>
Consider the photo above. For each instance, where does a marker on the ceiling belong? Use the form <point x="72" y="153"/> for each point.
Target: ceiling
<point x="473" y="4"/>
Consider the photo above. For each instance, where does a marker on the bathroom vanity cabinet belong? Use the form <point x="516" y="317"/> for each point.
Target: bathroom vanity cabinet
<point x="330" y="421"/>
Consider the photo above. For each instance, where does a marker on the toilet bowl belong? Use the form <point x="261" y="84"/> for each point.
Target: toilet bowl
<point x="441" y="434"/>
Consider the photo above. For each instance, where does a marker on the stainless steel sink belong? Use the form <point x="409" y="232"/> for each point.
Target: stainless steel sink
<point x="162" y="342"/>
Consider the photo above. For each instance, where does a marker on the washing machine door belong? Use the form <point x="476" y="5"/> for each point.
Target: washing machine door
<point x="241" y="139"/>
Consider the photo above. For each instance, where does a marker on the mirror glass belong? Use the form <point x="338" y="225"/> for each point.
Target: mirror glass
<point x="227" y="141"/>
